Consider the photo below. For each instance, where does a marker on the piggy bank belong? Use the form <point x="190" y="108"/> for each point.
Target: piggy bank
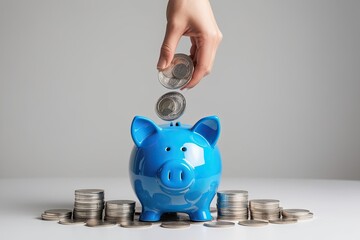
<point x="175" y="167"/>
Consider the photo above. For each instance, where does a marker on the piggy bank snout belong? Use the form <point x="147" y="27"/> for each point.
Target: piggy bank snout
<point x="176" y="175"/>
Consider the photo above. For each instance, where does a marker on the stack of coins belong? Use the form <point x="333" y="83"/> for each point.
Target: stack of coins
<point x="56" y="214"/>
<point x="298" y="214"/>
<point x="120" y="211"/>
<point x="89" y="204"/>
<point x="232" y="205"/>
<point x="264" y="209"/>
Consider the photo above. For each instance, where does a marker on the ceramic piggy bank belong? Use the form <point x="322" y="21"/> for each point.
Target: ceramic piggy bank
<point x="175" y="167"/>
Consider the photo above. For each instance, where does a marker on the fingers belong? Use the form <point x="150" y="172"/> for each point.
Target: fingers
<point x="171" y="40"/>
<point x="203" y="54"/>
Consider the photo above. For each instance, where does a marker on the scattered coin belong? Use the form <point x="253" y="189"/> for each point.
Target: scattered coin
<point x="179" y="73"/>
<point x="301" y="217"/>
<point x="219" y="224"/>
<point x="56" y="214"/>
<point x="283" y="221"/>
<point x="170" y="106"/>
<point x="175" y="224"/>
<point x="136" y="224"/>
<point x="98" y="223"/>
<point x="71" y="222"/>
<point x="253" y="223"/>
<point x="294" y="212"/>
<point x="305" y="217"/>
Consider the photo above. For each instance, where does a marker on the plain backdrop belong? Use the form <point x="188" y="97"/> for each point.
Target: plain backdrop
<point x="285" y="84"/>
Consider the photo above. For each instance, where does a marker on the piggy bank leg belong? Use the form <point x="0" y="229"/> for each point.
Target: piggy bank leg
<point x="149" y="215"/>
<point x="200" y="215"/>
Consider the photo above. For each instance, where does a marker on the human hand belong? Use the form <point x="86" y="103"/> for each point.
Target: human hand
<point x="195" y="19"/>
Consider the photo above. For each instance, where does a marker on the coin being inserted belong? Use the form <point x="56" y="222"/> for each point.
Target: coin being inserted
<point x="170" y="106"/>
<point x="179" y="73"/>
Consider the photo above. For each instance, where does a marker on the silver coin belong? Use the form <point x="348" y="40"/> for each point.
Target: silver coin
<point x="219" y="224"/>
<point x="89" y="198"/>
<point x="117" y="203"/>
<point x="253" y="223"/>
<point x="136" y="224"/>
<point x="307" y="216"/>
<point x="233" y="192"/>
<point x="179" y="73"/>
<point x="71" y="222"/>
<point x="303" y="217"/>
<point x="265" y="211"/>
<point x="98" y="223"/>
<point x="53" y="218"/>
<point x="170" y="106"/>
<point x="295" y="212"/>
<point x="283" y="221"/>
<point x="175" y="224"/>
<point x="89" y="191"/>
<point x="264" y="218"/>
<point x="231" y="218"/>
<point x="264" y="203"/>
<point x="58" y="212"/>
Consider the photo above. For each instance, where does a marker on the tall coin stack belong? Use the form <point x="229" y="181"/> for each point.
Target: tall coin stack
<point x="265" y="209"/>
<point x="89" y="204"/>
<point x="119" y="211"/>
<point x="232" y="205"/>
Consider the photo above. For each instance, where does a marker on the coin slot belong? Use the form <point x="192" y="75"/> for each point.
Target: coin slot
<point x="181" y="175"/>
<point x="167" y="149"/>
<point x="183" y="149"/>
<point x="169" y="175"/>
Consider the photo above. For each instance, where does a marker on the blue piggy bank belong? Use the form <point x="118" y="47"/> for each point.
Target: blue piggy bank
<point x="175" y="167"/>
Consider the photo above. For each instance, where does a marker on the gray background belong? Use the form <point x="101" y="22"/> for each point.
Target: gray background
<point x="285" y="84"/>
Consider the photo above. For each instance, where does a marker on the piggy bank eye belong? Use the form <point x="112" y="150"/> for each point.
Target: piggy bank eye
<point x="183" y="149"/>
<point x="167" y="149"/>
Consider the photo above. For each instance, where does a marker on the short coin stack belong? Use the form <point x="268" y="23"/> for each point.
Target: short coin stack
<point x="232" y="205"/>
<point x="298" y="214"/>
<point x="56" y="214"/>
<point x="89" y="204"/>
<point x="264" y="209"/>
<point x="119" y="211"/>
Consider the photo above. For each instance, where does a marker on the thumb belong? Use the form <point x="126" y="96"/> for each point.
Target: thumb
<point x="167" y="51"/>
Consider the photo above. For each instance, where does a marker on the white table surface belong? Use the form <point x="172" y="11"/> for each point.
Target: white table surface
<point x="335" y="204"/>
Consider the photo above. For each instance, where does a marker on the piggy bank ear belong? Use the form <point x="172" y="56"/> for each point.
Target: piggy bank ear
<point x="142" y="128"/>
<point x="209" y="128"/>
